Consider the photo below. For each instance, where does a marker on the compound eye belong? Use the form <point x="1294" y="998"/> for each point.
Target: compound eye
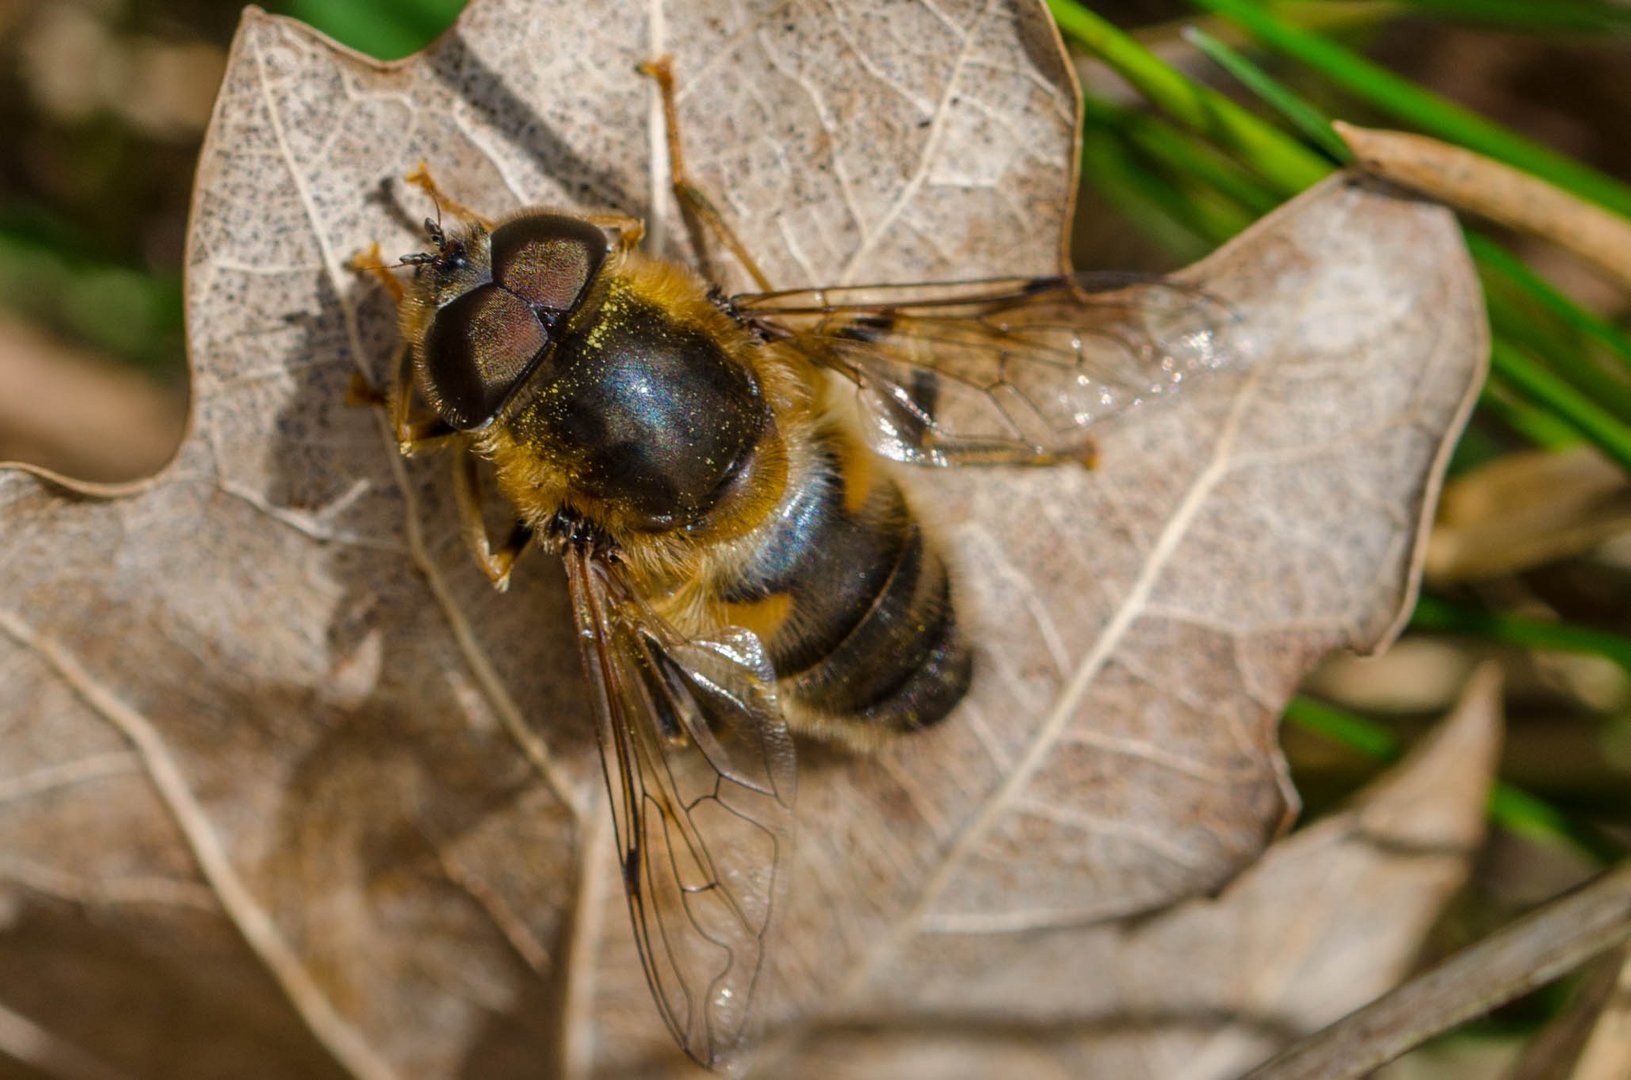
<point x="548" y="259"/>
<point x="477" y="351"/>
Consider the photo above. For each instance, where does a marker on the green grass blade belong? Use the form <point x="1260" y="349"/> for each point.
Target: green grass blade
<point x="1518" y="326"/>
<point x="385" y="29"/>
<point x="1563" y="354"/>
<point x="1303" y="116"/>
<point x="1548" y="408"/>
<point x="1285" y="163"/>
<point x="1110" y="168"/>
<point x="1530" y="16"/>
<point x="1421" y="109"/>
<point x="1541" y="386"/>
<point x="1498" y="259"/>
<point x="1534" y="425"/>
<point x="1344" y="728"/>
<point x="1538" y="821"/>
<point x="1140" y="160"/>
<point x="1443" y="616"/>
<point x="1160" y="140"/>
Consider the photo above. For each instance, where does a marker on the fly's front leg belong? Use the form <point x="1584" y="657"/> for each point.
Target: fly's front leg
<point x="372" y="263"/>
<point x="415" y="430"/>
<point x="495" y="562"/>
<point x="912" y="420"/>
<point x="630" y="230"/>
<point x="701" y="217"/>
<point x="414" y="433"/>
<point x="420" y="178"/>
<point x="424" y="431"/>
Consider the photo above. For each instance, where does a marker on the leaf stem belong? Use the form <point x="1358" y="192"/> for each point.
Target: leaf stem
<point x="1521" y="956"/>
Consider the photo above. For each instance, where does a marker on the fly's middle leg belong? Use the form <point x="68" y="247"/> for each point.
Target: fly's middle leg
<point x="496" y="561"/>
<point x="702" y="217"/>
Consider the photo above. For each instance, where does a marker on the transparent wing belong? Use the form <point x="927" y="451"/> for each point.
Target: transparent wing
<point x="1014" y="370"/>
<point x="699" y="764"/>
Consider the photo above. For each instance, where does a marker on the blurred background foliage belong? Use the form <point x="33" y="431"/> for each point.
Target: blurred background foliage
<point x="103" y="103"/>
<point x="102" y="106"/>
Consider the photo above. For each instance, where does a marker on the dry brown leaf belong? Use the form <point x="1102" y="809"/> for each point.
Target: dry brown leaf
<point x="1330" y="918"/>
<point x="289" y="783"/>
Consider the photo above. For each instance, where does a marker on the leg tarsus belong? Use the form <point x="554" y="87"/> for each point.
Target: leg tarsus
<point x="413" y="433"/>
<point x="419" y="436"/>
<point x="373" y="263"/>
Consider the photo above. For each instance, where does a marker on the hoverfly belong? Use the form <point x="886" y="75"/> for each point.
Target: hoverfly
<point x="741" y="564"/>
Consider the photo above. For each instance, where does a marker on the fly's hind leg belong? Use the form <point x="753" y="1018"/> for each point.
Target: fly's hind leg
<point x="912" y="420"/>
<point x="964" y="452"/>
<point x="701" y="216"/>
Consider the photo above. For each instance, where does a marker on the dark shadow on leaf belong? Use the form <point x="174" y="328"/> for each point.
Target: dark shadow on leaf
<point x="152" y="990"/>
<point x="457" y="66"/>
<point x="416" y="846"/>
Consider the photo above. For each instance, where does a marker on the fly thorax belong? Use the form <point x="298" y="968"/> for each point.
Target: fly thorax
<point x="649" y="416"/>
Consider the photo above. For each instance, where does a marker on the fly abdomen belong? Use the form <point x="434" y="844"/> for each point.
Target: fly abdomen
<point x="866" y="641"/>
